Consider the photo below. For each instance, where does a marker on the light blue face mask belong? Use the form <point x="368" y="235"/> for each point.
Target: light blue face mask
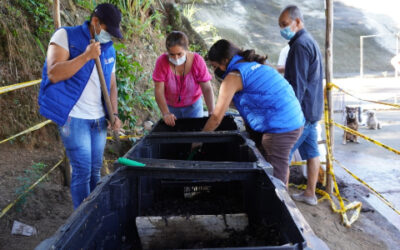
<point x="287" y="33"/>
<point x="103" y="37"/>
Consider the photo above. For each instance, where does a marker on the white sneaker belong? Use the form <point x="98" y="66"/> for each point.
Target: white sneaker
<point x="306" y="199"/>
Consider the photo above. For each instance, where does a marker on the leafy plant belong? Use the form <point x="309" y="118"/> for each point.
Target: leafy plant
<point x="31" y="175"/>
<point x="189" y="10"/>
<point x="88" y="4"/>
<point x="39" y="12"/>
<point x="129" y="72"/>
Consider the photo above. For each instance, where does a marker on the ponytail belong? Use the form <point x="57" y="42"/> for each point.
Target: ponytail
<point x="225" y="50"/>
<point x="251" y="56"/>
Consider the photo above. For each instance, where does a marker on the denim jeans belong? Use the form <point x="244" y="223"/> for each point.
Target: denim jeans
<point x="84" y="141"/>
<point x="192" y="111"/>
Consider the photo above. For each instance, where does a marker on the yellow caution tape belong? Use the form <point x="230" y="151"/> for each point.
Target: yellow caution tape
<point x="301" y="163"/>
<point x="36" y="127"/>
<point x="369" y="187"/>
<point x="346" y="92"/>
<point x="347" y="129"/>
<point x="353" y="205"/>
<point x="125" y="137"/>
<point x="9" y="88"/>
<point x="343" y="209"/>
<point x="9" y="206"/>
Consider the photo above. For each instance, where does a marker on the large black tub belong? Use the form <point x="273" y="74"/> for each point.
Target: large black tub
<point x="224" y="149"/>
<point x="185" y="208"/>
<point x="228" y="123"/>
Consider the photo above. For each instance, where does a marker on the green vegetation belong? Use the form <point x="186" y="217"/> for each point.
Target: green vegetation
<point x="38" y="11"/>
<point x="129" y="72"/>
<point x="31" y="175"/>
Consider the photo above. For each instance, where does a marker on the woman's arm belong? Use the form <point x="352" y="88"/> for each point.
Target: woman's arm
<point x="59" y="68"/>
<point x="168" y="117"/>
<point x="229" y="86"/>
<point x="208" y="94"/>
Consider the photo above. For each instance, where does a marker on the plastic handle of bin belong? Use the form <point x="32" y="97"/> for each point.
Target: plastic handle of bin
<point x="129" y="162"/>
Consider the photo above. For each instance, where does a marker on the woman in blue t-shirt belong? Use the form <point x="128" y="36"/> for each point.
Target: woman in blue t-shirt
<point x="263" y="98"/>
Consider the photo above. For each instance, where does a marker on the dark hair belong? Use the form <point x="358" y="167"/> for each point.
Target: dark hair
<point x="224" y="49"/>
<point x="294" y="12"/>
<point x="177" y="38"/>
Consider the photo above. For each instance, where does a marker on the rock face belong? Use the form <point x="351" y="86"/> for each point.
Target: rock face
<point x="181" y="23"/>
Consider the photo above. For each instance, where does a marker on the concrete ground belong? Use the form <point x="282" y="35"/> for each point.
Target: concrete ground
<point x="375" y="165"/>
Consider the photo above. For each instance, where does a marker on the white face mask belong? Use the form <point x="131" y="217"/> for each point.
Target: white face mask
<point x="178" y="61"/>
<point x="103" y="37"/>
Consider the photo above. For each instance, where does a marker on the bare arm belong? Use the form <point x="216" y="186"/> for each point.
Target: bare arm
<point x="280" y="69"/>
<point x="59" y="68"/>
<point x="162" y="104"/>
<point x="231" y="84"/>
<point x="208" y="93"/>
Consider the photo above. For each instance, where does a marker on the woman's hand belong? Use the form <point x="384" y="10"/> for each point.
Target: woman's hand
<point x="116" y="126"/>
<point x="169" y="119"/>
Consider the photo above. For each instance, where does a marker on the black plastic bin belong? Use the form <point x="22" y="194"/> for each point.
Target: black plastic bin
<point x="224" y="149"/>
<point x="228" y="123"/>
<point x="108" y="218"/>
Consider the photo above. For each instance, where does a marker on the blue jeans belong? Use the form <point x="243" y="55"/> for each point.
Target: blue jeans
<point x="192" y="111"/>
<point x="84" y="142"/>
<point x="307" y="143"/>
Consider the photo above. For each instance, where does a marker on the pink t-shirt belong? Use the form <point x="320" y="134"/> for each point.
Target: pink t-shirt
<point x="188" y="88"/>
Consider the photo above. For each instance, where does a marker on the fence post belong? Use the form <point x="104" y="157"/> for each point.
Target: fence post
<point x="361" y="57"/>
<point x="66" y="170"/>
<point x="56" y="14"/>
<point x="396" y="72"/>
<point x="57" y="24"/>
<point x="328" y="75"/>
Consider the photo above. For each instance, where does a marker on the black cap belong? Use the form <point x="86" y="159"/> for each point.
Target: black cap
<point x="110" y="15"/>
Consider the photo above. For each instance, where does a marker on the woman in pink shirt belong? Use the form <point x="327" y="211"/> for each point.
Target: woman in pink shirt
<point x="181" y="77"/>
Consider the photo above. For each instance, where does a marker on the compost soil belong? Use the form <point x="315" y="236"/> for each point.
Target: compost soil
<point x="262" y="234"/>
<point x="212" y="201"/>
<point x="172" y="201"/>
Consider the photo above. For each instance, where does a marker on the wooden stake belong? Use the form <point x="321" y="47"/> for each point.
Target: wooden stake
<point x="56" y="14"/>
<point x="328" y="75"/>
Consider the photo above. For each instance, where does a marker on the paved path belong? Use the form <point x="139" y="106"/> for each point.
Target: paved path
<point x="375" y="165"/>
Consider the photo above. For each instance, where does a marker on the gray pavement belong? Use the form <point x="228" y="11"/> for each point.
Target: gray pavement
<point x="375" y="165"/>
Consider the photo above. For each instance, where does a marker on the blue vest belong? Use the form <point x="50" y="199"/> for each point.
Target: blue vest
<point x="56" y="100"/>
<point x="267" y="102"/>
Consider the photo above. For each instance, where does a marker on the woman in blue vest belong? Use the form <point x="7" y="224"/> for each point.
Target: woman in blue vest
<point x="263" y="98"/>
<point x="70" y="93"/>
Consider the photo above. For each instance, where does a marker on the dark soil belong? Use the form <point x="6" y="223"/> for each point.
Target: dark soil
<point x="206" y="200"/>
<point x="211" y="200"/>
<point x="254" y="235"/>
<point x="45" y="208"/>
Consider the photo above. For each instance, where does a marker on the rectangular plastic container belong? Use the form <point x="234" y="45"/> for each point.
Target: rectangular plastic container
<point x="224" y="149"/>
<point x="228" y="123"/>
<point x="107" y="219"/>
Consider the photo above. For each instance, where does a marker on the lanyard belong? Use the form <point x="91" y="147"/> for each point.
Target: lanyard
<point x="183" y="81"/>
